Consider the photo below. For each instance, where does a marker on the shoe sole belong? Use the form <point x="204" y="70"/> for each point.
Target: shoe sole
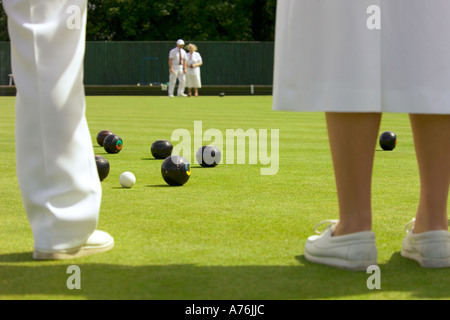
<point x="341" y="264"/>
<point x="426" y="263"/>
<point x="73" y="254"/>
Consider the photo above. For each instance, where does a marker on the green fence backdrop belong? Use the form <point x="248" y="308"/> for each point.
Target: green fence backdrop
<point x="5" y="63"/>
<point x="130" y="63"/>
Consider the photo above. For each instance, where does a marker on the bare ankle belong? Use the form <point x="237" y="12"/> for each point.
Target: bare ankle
<point x="420" y="228"/>
<point x="343" y="229"/>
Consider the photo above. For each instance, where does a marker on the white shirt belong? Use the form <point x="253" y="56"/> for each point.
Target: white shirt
<point x="193" y="59"/>
<point x="174" y="55"/>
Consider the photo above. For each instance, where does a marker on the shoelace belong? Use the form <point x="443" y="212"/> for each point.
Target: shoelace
<point x="410" y="225"/>
<point x="330" y="224"/>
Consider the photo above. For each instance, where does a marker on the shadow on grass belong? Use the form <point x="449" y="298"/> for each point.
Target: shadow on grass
<point x="191" y="282"/>
<point x="158" y="186"/>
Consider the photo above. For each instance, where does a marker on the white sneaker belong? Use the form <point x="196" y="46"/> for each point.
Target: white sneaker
<point x="98" y="242"/>
<point x="171" y="96"/>
<point x="430" y="249"/>
<point x="356" y="251"/>
<point x="182" y="95"/>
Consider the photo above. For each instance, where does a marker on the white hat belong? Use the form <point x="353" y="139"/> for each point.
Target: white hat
<point x="180" y="42"/>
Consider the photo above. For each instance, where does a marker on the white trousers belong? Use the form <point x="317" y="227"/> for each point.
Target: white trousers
<point x="178" y="73"/>
<point x="56" y="166"/>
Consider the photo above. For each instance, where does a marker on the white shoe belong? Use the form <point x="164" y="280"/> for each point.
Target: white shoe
<point x="171" y="96"/>
<point x="98" y="242"/>
<point x="356" y="251"/>
<point x="430" y="249"/>
<point x="182" y="95"/>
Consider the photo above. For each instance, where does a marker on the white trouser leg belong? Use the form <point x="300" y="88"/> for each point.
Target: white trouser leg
<point x="177" y="74"/>
<point x="172" y="82"/>
<point x="56" y="167"/>
<point x="181" y="82"/>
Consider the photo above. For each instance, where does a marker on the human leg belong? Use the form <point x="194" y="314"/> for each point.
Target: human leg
<point x="56" y="167"/>
<point x="181" y="83"/>
<point x="172" y="83"/>
<point x="349" y="243"/>
<point x="352" y="139"/>
<point x="432" y="143"/>
<point x="428" y="241"/>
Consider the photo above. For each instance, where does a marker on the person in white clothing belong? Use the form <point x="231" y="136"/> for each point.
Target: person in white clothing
<point x="177" y="69"/>
<point x="56" y="167"/>
<point x="354" y="60"/>
<point x="193" y="75"/>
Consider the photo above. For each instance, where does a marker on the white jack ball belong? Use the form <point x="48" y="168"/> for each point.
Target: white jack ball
<point x="127" y="179"/>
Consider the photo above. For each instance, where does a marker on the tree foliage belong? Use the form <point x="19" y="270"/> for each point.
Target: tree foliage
<point x="162" y="20"/>
<point x="3" y="24"/>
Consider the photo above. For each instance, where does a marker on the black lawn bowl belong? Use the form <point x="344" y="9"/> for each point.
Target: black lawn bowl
<point x="102" y="135"/>
<point x="113" y="143"/>
<point x="102" y="167"/>
<point x="176" y="170"/>
<point x="388" y="141"/>
<point x="208" y="156"/>
<point x="222" y="94"/>
<point x="161" y="149"/>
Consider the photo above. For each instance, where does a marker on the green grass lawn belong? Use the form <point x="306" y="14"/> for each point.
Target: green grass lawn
<point x="230" y="232"/>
